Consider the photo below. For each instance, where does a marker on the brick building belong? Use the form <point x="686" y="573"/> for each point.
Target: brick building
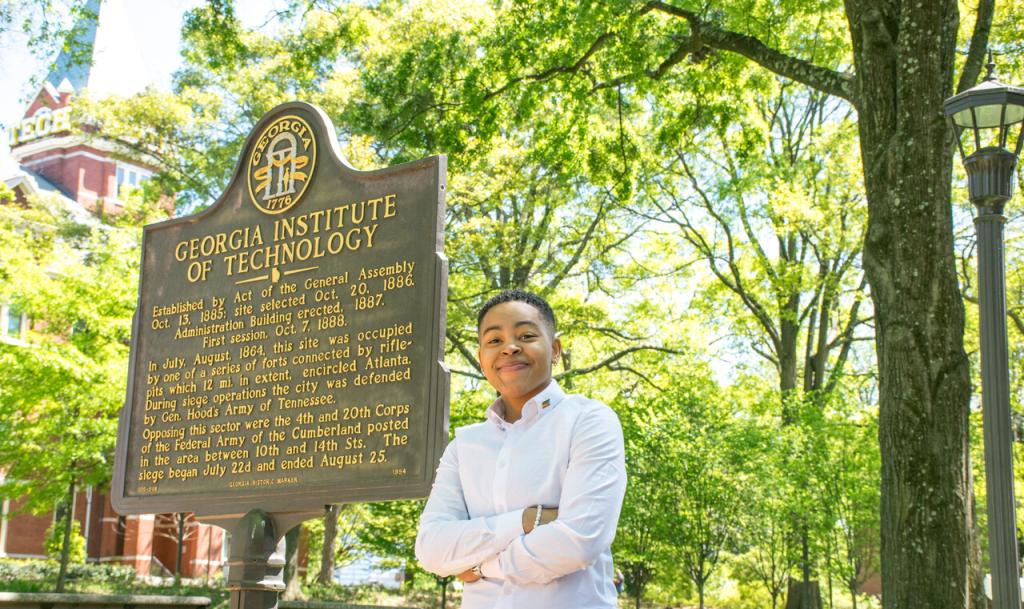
<point x="88" y="177"/>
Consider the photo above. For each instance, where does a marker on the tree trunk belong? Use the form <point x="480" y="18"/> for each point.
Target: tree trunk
<point x="831" y="592"/>
<point x="330" y="541"/>
<point x="292" y="582"/>
<point x="976" y="569"/>
<point x="803" y="595"/>
<point x="789" y="331"/>
<point x="409" y="576"/>
<point x="65" y="548"/>
<point x="904" y="58"/>
<point x="181" y="549"/>
<point x="443" y="581"/>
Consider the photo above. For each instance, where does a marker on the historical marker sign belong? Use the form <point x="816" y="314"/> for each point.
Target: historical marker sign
<point x="287" y="348"/>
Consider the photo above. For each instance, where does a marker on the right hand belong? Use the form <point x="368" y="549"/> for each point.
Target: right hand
<point x="468" y="576"/>
<point x="548" y="514"/>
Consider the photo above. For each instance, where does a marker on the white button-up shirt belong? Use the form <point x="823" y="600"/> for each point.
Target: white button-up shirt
<point x="565" y="451"/>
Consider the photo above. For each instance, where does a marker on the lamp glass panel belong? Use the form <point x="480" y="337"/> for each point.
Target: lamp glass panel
<point x="990" y="115"/>
<point x="964" y="118"/>
<point x="1014" y="114"/>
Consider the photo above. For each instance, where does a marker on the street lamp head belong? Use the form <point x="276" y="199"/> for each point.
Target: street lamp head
<point x="990" y="112"/>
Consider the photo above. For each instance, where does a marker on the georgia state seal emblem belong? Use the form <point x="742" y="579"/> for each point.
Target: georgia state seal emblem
<point x="281" y="164"/>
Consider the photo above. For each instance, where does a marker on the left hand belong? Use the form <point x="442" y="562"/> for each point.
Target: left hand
<point x="468" y="576"/>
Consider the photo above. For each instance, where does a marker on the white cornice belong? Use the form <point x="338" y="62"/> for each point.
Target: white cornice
<point x="53" y="143"/>
<point x="19" y="153"/>
<point x="85" y="153"/>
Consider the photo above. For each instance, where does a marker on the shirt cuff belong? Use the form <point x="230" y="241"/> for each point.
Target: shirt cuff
<point x="491" y="569"/>
<point x="507" y="527"/>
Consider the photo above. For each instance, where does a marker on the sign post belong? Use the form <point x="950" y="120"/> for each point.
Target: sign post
<point x="287" y="348"/>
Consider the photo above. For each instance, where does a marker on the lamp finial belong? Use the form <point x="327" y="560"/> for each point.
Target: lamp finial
<point x="990" y="67"/>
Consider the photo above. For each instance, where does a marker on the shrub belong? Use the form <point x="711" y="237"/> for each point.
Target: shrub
<point x="55" y="542"/>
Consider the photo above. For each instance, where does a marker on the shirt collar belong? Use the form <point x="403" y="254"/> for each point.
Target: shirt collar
<point x="538" y="405"/>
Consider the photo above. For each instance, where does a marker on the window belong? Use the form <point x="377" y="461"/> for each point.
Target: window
<point x="131" y="177"/>
<point x="13" y="322"/>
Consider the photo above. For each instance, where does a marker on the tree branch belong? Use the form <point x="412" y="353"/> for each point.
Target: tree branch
<point x="1013" y="314"/>
<point x="578" y="254"/>
<point x="979" y="42"/>
<point x="611" y="359"/>
<point x="818" y="77"/>
<point x="468" y="373"/>
<point x="555" y="70"/>
<point x="464" y="351"/>
<point x="735" y="283"/>
<point x="637" y="373"/>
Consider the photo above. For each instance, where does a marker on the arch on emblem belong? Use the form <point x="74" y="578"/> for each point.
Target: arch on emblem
<point x="281" y="164"/>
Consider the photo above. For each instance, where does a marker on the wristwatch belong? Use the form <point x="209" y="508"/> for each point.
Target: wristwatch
<point x="477" y="571"/>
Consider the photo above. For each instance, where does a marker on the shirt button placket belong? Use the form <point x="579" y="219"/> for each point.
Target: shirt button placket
<point x="501" y="477"/>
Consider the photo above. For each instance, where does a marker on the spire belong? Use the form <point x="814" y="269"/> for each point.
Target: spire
<point x="77" y="57"/>
<point x="100" y="50"/>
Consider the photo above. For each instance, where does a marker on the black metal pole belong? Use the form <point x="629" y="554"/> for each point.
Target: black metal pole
<point x="995" y="394"/>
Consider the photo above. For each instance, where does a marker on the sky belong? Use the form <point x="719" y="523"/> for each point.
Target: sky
<point x="128" y="66"/>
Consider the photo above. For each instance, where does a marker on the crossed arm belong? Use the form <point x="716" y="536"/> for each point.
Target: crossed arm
<point x="506" y="545"/>
<point x="547" y="514"/>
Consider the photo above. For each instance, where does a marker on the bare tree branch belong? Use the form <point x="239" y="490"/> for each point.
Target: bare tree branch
<point x="468" y="373"/>
<point x="638" y="374"/>
<point x="735" y="280"/>
<point x="611" y="359"/>
<point x="979" y="43"/>
<point x="596" y="46"/>
<point x="846" y="338"/>
<point x="464" y="351"/>
<point x="578" y="254"/>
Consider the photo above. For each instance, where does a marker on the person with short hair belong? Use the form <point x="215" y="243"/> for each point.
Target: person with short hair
<point x="525" y="503"/>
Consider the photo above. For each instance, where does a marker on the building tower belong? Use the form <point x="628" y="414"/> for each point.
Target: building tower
<point x="51" y="157"/>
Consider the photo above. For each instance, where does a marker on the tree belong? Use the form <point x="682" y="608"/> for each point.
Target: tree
<point x="640" y="549"/>
<point x="334" y="540"/>
<point x="48" y="25"/>
<point x="768" y="202"/>
<point x="710" y="452"/>
<point x="773" y="554"/>
<point x="292" y="581"/>
<point x="847" y="478"/>
<point x="179" y="527"/>
<point x="765" y="197"/>
<point x="326" y="575"/>
<point x="389" y="530"/>
<point x="63" y="387"/>
<point x="515" y="218"/>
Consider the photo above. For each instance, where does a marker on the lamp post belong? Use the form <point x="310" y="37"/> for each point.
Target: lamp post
<point x="990" y="113"/>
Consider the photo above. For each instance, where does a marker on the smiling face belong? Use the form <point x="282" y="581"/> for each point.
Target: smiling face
<point x="517" y="349"/>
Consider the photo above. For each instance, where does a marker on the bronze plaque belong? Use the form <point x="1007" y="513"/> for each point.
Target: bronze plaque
<point x="287" y="348"/>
